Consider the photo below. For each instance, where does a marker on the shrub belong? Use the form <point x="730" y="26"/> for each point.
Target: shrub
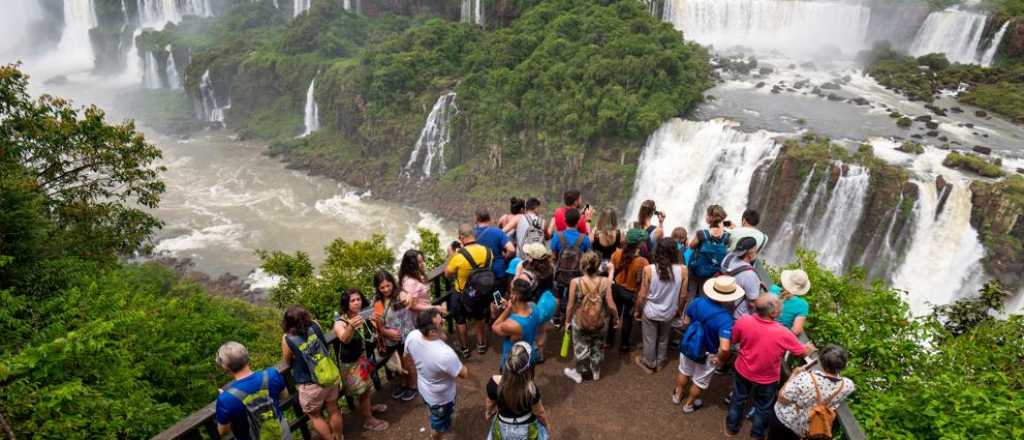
<point x="970" y="162"/>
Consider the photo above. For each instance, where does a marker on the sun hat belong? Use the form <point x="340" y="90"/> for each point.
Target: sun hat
<point x="795" y="281"/>
<point x="635" y="236"/>
<point x="536" y="251"/>
<point x="723" y="289"/>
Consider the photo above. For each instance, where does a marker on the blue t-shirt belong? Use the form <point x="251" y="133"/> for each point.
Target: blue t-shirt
<point x="232" y="411"/>
<point x="716" y="319"/>
<point x="495" y="240"/>
<point x="791" y="308"/>
<point x="571" y="235"/>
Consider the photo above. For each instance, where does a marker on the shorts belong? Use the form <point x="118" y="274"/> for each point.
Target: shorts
<point x="312" y="396"/>
<point x="464" y="308"/>
<point x="700" y="373"/>
<point x="441" y="416"/>
<point x="355" y="377"/>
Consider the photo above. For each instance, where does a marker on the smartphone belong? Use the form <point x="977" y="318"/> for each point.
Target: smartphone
<point x="586" y="208"/>
<point x="497" y="298"/>
<point x="727" y="223"/>
<point x="456" y="245"/>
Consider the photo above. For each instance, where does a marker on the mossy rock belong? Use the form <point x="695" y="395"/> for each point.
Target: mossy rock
<point x="973" y="163"/>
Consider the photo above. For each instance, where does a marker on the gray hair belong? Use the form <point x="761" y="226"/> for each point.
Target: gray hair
<point x="766" y="305"/>
<point x="232" y="357"/>
<point x="466" y="230"/>
<point x="833" y="358"/>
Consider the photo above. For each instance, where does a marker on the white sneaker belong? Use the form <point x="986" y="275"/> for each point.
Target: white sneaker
<point x="597" y="376"/>
<point x="572" y="374"/>
<point x="676" y="399"/>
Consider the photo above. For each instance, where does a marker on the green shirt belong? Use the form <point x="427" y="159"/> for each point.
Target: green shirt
<point x="791" y="308"/>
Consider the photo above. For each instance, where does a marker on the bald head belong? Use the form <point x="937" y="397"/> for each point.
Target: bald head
<point x="767" y="306"/>
<point x="466" y="234"/>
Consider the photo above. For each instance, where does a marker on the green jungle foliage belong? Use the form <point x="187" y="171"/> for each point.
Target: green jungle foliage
<point x="971" y="162"/>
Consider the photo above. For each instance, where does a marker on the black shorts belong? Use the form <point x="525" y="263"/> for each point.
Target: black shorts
<point x="463" y="308"/>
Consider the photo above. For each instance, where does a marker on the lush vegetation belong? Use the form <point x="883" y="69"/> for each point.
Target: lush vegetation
<point x="971" y="162"/>
<point x="999" y="89"/>
<point x="953" y="374"/>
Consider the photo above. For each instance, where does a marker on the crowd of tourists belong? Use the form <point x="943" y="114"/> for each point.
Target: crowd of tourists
<point x="582" y="279"/>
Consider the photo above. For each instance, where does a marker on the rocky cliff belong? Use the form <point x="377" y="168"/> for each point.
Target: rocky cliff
<point x="998" y="215"/>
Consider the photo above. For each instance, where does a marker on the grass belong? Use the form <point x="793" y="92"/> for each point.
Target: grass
<point x="970" y="162"/>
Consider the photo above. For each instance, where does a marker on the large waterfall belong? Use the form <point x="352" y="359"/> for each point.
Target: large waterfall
<point x="687" y="165"/>
<point x="150" y="75"/>
<point x="997" y="39"/>
<point x="173" y="78"/>
<point x="953" y="32"/>
<point x="312" y="113"/>
<point x="433" y="138"/>
<point x="472" y="11"/>
<point x="75" y="47"/>
<point x="301" y="6"/>
<point x="785" y="25"/>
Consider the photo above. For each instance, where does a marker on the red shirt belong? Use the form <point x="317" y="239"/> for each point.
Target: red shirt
<point x="560" y="221"/>
<point x="762" y="344"/>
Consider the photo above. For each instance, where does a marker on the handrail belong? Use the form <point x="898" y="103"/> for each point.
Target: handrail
<point x="202" y="420"/>
<point x="846" y="418"/>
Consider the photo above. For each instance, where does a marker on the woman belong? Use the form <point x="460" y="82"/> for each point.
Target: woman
<point x="804" y="389"/>
<point x="607" y="237"/>
<point x="513" y="400"/>
<point x="662" y="292"/>
<point x="715" y="232"/>
<point x="394" y="322"/>
<point x="354" y="334"/>
<point x="654" y="233"/>
<point x="517" y="321"/>
<point x="794" y="308"/>
<point x="509" y="222"/>
<point x="625" y="270"/>
<point x="412" y="275"/>
<point x="539" y="271"/>
<point x="589" y="294"/>
<point x="299" y="329"/>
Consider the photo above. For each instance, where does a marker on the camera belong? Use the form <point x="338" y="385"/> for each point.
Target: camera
<point x="659" y="213"/>
<point x="456" y="245"/>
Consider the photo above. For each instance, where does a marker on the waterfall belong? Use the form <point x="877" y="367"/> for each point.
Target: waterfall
<point x="687" y="165"/>
<point x="785" y="25"/>
<point x="173" y="79"/>
<point x="993" y="46"/>
<point x="75" y="45"/>
<point x="780" y="247"/>
<point x="953" y="32"/>
<point x="200" y="8"/>
<point x="150" y="76"/>
<point x="944" y="257"/>
<point x="312" y="117"/>
<point x="212" y="110"/>
<point x="156" y="13"/>
<point x="434" y="137"/>
<point x="348" y="5"/>
<point x="301" y="6"/>
<point x="880" y="257"/>
<point x="830" y="236"/>
<point x="472" y="11"/>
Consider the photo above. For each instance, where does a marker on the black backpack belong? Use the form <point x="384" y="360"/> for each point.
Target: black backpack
<point x="481" y="280"/>
<point x="568" y="266"/>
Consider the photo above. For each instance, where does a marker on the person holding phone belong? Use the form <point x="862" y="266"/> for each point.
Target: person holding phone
<point x="517" y="321"/>
<point x="572" y="200"/>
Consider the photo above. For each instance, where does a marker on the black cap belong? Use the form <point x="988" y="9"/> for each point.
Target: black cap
<point x="745" y="244"/>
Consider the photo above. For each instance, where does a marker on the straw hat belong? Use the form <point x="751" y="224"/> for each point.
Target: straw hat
<point x="795" y="281"/>
<point x="536" y="251"/>
<point x="723" y="289"/>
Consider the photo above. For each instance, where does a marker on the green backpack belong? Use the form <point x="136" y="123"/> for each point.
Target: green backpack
<point x="317" y="358"/>
<point x="266" y="422"/>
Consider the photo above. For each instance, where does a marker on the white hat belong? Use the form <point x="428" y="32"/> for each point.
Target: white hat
<point x="795" y="281"/>
<point x="723" y="289"/>
<point x="536" y="251"/>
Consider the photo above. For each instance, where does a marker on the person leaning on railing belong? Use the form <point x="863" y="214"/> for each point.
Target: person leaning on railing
<point x="806" y="388"/>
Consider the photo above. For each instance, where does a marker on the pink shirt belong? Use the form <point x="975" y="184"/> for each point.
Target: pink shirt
<point x="417" y="290"/>
<point x="762" y="345"/>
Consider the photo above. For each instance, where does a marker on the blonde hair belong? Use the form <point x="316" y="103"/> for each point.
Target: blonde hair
<point x="590" y="263"/>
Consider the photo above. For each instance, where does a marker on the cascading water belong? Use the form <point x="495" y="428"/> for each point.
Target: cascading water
<point x="472" y="11"/>
<point x="212" y="110"/>
<point x="687" y="165"/>
<point x="75" y="47"/>
<point x="952" y="32"/>
<point x="785" y="25"/>
<point x="312" y="113"/>
<point x="301" y="6"/>
<point x="434" y="137"/>
<point x="150" y="75"/>
<point x="173" y="79"/>
<point x="156" y="13"/>
<point x="830" y="235"/>
<point x="780" y="246"/>
<point x="997" y="39"/>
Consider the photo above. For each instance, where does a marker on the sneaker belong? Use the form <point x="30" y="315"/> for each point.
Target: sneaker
<point x="676" y="399"/>
<point x="597" y="375"/>
<point x="408" y="395"/>
<point x="727" y="399"/>
<point x="397" y="392"/>
<point x="640" y="363"/>
<point x="687" y="409"/>
<point x="481" y="349"/>
<point x="571" y="373"/>
<point x="539" y="358"/>
<point x="464" y="353"/>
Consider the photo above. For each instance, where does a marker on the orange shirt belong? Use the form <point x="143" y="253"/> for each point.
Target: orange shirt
<point x="628" y="277"/>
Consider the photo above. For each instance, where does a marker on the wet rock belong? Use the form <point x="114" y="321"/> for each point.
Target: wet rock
<point x="917" y="136"/>
<point x="981" y="113"/>
<point x="934" y="109"/>
<point x="904" y="122"/>
<point x="809" y="66"/>
<point x="1020" y="170"/>
<point x="895" y="115"/>
<point x="830" y="86"/>
<point x="860" y="100"/>
<point x="923" y="118"/>
<point x="932" y="133"/>
<point x="710" y="98"/>
<point x="944" y="139"/>
<point x="801" y="84"/>
<point x="944" y="147"/>
<point x="834" y="97"/>
<point x="845" y="79"/>
<point x="968" y="125"/>
<point x="776" y="89"/>
<point x="932" y="125"/>
<point x="765" y="71"/>
<point x="981" y="149"/>
<point x="760" y="85"/>
<point x="817" y="91"/>
<point x="956" y="109"/>
<point x="984" y="135"/>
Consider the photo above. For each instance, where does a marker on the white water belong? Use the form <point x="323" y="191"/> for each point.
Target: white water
<point x="472" y="12"/>
<point x="150" y="75"/>
<point x="780" y="247"/>
<point x="212" y="110"/>
<point x="173" y="79"/>
<point x="301" y="6"/>
<point x="433" y="138"/>
<point x="792" y="26"/>
<point x="830" y="236"/>
<point x="156" y="13"/>
<point x="687" y="165"/>
<point x="953" y="32"/>
<point x="312" y="114"/>
<point x="997" y="39"/>
<point x="75" y="48"/>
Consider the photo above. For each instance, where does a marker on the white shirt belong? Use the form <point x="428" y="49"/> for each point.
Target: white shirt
<point x="437" y="366"/>
<point x="802" y="397"/>
<point x="663" y="296"/>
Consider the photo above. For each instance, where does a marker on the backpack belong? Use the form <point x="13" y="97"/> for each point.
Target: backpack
<point x="591" y="314"/>
<point x="568" y="266"/>
<point x="265" y="421"/>
<point x="821" y="415"/>
<point x="534" y="230"/>
<point x="481" y="280"/>
<point x="313" y="352"/>
<point x="648" y="245"/>
<point x="694" y="344"/>
<point x="708" y="260"/>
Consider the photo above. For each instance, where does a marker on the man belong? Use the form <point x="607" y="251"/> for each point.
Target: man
<point x="462" y="307"/>
<point x="530" y="228"/>
<point x="437" y="367"/>
<point x="711" y="312"/>
<point x="570" y="235"/>
<point x="559" y="223"/>
<point x="495" y="240"/>
<point x="756" y="372"/>
<point x="740" y="264"/>
<point x="249" y="394"/>
<point x="567" y="267"/>
<point x="751" y="219"/>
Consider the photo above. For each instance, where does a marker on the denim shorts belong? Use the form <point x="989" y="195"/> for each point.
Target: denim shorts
<point x="441" y="416"/>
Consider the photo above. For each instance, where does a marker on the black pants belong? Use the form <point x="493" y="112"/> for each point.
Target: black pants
<point x="624" y="300"/>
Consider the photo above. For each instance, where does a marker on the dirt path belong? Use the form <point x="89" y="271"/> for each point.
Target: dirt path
<point x="625" y="404"/>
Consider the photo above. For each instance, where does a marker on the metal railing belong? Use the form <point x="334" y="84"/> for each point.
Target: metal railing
<point x="851" y="428"/>
<point x="201" y="424"/>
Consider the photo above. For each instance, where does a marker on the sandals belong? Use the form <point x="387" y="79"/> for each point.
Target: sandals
<point x="379" y="408"/>
<point x="379" y="426"/>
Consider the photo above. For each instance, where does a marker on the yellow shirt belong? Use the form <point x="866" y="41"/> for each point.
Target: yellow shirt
<point x="461" y="267"/>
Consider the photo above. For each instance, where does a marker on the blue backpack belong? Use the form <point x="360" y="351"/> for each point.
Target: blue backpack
<point x="707" y="261"/>
<point x="694" y="344"/>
